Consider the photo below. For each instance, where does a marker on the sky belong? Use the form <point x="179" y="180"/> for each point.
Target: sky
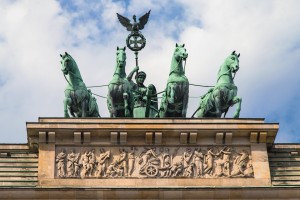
<point x="33" y="33"/>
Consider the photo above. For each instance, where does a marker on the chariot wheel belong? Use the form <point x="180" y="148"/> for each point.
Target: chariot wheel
<point x="151" y="170"/>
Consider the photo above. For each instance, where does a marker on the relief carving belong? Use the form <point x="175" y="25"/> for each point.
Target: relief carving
<point x="102" y="163"/>
<point x="60" y="164"/>
<point x="72" y="164"/>
<point x="152" y="162"/>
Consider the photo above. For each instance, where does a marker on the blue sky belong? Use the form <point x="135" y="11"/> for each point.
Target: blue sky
<point x="33" y="33"/>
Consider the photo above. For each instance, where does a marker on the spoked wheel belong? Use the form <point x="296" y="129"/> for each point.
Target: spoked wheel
<point x="151" y="171"/>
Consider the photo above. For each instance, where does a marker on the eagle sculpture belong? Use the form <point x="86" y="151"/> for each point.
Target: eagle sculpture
<point x="135" y="26"/>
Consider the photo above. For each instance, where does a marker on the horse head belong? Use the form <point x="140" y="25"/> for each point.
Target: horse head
<point x="180" y="53"/>
<point x="121" y="57"/>
<point x="66" y="63"/>
<point x="232" y="62"/>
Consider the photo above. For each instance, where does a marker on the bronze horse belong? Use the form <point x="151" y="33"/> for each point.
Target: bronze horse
<point x="119" y="98"/>
<point x="78" y="101"/>
<point x="224" y="95"/>
<point x="175" y="98"/>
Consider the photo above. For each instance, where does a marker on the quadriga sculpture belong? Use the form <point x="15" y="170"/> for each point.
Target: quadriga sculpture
<point x="175" y="98"/>
<point x="218" y="99"/>
<point x="119" y="98"/>
<point x="78" y="101"/>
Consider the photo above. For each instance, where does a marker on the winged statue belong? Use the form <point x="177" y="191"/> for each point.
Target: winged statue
<point x="134" y="26"/>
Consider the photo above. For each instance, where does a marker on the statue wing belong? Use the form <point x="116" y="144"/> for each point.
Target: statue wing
<point x="143" y="20"/>
<point x="125" y="22"/>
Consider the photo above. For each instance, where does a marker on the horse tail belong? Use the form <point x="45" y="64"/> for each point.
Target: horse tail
<point x="93" y="109"/>
<point x="196" y="111"/>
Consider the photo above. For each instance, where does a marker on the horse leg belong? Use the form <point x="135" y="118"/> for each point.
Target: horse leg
<point x="110" y="100"/>
<point x="217" y="102"/>
<point x="171" y="90"/>
<point x="218" y="106"/>
<point x="126" y="106"/>
<point x="237" y="100"/>
<point x="185" y="100"/>
<point x="84" y="108"/>
<point x="67" y="103"/>
<point x="163" y="106"/>
<point x="110" y="106"/>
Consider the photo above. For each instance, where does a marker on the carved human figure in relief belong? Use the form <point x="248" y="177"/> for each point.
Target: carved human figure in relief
<point x="225" y="162"/>
<point x="166" y="164"/>
<point x="131" y="160"/>
<point x="198" y="162"/>
<point x="240" y="164"/>
<point x="122" y="163"/>
<point x="112" y="169"/>
<point x="209" y="162"/>
<point x="72" y="164"/>
<point x="60" y="166"/>
<point x="188" y="167"/>
<point x="145" y="158"/>
<point x="150" y="163"/>
<point x="249" y="168"/>
<point x="91" y="162"/>
<point x="102" y="163"/>
<point x="85" y="164"/>
<point x="177" y="168"/>
<point x="218" y="171"/>
<point x="76" y="165"/>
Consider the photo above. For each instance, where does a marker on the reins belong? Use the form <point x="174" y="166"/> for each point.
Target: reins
<point x="226" y="73"/>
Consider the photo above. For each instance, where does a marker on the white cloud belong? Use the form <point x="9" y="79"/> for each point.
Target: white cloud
<point x="34" y="33"/>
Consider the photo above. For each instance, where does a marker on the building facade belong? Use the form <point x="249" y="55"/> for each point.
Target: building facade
<point x="106" y="158"/>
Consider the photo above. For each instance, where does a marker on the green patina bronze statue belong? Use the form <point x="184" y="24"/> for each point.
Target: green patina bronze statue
<point x="145" y="103"/>
<point x="218" y="99"/>
<point x="135" y="40"/>
<point x="119" y="97"/>
<point x="175" y="98"/>
<point x="78" y="101"/>
<point x="126" y="98"/>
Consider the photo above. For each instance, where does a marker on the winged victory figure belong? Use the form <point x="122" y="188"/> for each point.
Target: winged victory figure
<point x="135" y="26"/>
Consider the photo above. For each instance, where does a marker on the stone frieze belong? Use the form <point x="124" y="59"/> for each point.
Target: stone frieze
<point x="153" y="162"/>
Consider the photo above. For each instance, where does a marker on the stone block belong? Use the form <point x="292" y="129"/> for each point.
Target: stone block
<point x="4" y="154"/>
<point x="149" y="137"/>
<point x="261" y="170"/>
<point x="42" y="137"/>
<point x="51" y="137"/>
<point x="253" y="137"/>
<point x="193" y="138"/>
<point x="77" y="137"/>
<point x="259" y="152"/>
<point x="123" y="137"/>
<point x="172" y="194"/>
<point x="228" y="138"/>
<point x="219" y="138"/>
<point x="183" y="138"/>
<point x="86" y="137"/>
<point x="114" y="137"/>
<point x="294" y="153"/>
<point x="262" y="137"/>
<point x="158" y="137"/>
